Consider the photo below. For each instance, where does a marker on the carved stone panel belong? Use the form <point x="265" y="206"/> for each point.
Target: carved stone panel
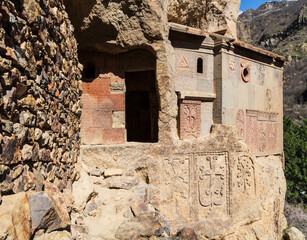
<point x="251" y="129"/>
<point x="176" y="192"/>
<point x="190" y="119"/>
<point x="212" y="178"/>
<point x="261" y="131"/>
<point x="272" y="136"/>
<point x="232" y="64"/>
<point x="262" y="136"/>
<point x="245" y="176"/>
<point x="240" y="124"/>
<point x="261" y="72"/>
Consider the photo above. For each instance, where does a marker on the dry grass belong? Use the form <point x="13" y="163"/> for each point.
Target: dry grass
<point x="296" y="217"/>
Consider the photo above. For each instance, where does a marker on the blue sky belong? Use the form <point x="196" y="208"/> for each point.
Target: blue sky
<point x="246" y="4"/>
<point x="254" y="4"/>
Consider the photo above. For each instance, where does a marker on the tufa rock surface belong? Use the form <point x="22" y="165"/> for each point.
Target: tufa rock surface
<point x="130" y="23"/>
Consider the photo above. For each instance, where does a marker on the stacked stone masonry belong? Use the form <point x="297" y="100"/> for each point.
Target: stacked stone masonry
<point x="40" y="105"/>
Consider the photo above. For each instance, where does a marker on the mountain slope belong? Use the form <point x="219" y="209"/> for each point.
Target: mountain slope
<point x="281" y="27"/>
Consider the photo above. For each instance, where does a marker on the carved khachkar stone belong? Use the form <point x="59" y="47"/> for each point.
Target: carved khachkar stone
<point x="261" y="131"/>
<point x="189" y="119"/>
<point x="261" y="72"/>
<point x="212" y="178"/>
<point x="252" y="129"/>
<point x="176" y="191"/>
<point x="195" y="185"/>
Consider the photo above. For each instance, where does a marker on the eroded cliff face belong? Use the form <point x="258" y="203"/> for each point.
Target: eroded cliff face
<point x="209" y="15"/>
<point x="132" y="23"/>
<point x="105" y="24"/>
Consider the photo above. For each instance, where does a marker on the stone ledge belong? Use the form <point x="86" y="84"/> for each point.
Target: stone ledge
<point x="197" y="95"/>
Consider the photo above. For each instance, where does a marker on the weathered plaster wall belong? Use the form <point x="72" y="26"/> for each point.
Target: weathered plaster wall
<point x="40" y="115"/>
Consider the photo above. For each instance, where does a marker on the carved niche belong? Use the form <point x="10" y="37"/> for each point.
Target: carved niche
<point x="240" y="124"/>
<point x="189" y="119"/>
<point x="245" y="71"/>
<point x="212" y="177"/>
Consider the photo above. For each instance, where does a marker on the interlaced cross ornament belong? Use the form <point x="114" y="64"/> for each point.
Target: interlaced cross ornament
<point x="212" y="181"/>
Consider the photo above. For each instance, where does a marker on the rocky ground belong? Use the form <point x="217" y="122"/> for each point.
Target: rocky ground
<point x="281" y="27"/>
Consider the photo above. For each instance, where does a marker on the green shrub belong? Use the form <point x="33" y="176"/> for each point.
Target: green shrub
<point x="295" y="148"/>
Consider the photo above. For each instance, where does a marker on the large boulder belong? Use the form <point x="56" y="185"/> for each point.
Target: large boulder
<point x="82" y="191"/>
<point x="293" y="233"/>
<point x="47" y="213"/>
<point x="15" y="217"/>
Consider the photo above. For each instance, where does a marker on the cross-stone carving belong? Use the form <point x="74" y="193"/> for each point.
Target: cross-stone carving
<point x="189" y="119"/>
<point x="212" y="180"/>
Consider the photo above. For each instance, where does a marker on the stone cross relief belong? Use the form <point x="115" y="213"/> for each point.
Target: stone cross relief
<point x="177" y="175"/>
<point x="189" y="119"/>
<point x="212" y="181"/>
<point x="190" y="115"/>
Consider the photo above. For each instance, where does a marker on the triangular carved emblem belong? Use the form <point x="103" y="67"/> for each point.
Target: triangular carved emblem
<point x="183" y="63"/>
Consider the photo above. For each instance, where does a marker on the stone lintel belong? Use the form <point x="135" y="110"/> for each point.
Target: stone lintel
<point x="198" y="32"/>
<point x="189" y="30"/>
<point x="197" y="95"/>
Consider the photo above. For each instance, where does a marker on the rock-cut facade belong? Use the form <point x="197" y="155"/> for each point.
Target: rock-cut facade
<point x="137" y="120"/>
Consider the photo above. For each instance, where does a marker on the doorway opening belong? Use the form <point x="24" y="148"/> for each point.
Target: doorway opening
<point x="142" y="107"/>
